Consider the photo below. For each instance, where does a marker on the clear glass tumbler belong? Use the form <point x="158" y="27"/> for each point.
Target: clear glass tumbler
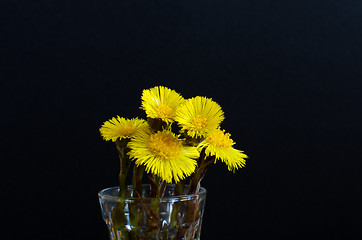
<point x="143" y="217"/>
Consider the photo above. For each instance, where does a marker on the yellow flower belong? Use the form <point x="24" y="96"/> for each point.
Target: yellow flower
<point x="199" y="115"/>
<point x="119" y="127"/>
<point x="163" y="154"/>
<point x="161" y="102"/>
<point x="219" y="144"/>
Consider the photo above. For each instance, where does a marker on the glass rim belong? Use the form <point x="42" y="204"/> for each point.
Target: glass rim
<point x="101" y="195"/>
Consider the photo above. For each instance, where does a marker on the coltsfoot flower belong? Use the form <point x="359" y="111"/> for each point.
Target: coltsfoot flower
<point x="163" y="154"/>
<point x="199" y="115"/>
<point x="120" y="128"/>
<point x="219" y="144"/>
<point x="161" y="103"/>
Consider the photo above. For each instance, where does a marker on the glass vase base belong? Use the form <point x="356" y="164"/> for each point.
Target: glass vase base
<point x="144" y="218"/>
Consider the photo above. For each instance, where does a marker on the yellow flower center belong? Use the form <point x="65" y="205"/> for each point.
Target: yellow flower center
<point x="220" y="139"/>
<point x="163" y="110"/>
<point x="127" y="130"/>
<point x="199" y="122"/>
<point x="165" y="145"/>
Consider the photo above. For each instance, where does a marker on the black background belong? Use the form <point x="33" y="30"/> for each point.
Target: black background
<point x="287" y="74"/>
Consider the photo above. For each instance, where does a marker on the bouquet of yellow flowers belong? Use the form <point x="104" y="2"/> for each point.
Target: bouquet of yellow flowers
<point x="171" y="152"/>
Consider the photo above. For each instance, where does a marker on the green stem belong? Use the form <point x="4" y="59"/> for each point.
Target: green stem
<point x="162" y="189"/>
<point x="175" y="215"/>
<point x="118" y="215"/>
<point x="192" y="206"/>
<point x="155" y="186"/>
<point x="153" y="211"/>
<point x="137" y="180"/>
<point x="198" y="175"/>
<point x="179" y="187"/>
<point x="136" y="212"/>
<point x="125" y="164"/>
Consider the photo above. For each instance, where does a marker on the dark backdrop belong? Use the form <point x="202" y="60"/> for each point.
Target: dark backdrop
<point x="287" y="74"/>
